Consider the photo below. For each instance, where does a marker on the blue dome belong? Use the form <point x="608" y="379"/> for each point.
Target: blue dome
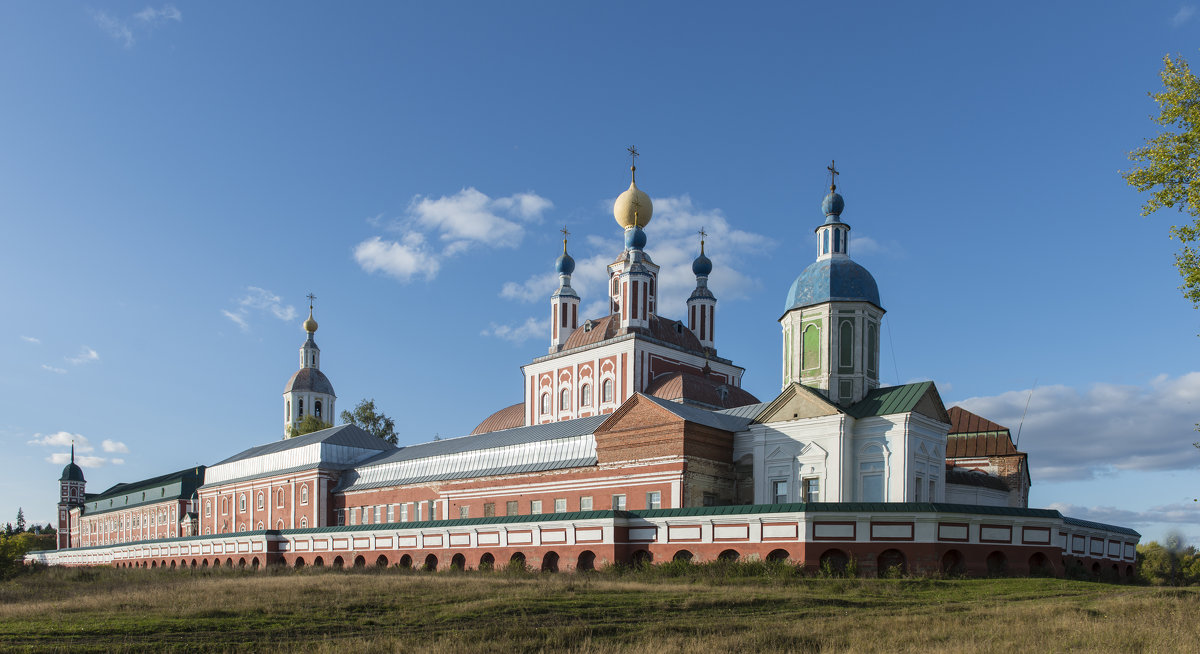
<point x="635" y="239"/>
<point x="833" y="204"/>
<point x="837" y="280"/>
<point x="564" y="265"/>
<point x="701" y="266"/>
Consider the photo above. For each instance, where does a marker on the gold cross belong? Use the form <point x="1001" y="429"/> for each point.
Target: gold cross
<point x="833" y="173"/>
<point x="310" y="297"/>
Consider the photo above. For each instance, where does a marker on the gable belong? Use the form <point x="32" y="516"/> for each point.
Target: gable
<point x="637" y="412"/>
<point x="921" y="397"/>
<point x="797" y="401"/>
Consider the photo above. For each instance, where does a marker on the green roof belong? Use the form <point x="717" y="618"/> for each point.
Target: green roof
<point x="890" y="400"/>
<point x="173" y="486"/>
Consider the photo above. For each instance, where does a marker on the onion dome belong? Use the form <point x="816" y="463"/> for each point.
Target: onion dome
<point x="702" y="266"/>
<point x="564" y="264"/>
<point x="635" y="238"/>
<point x="310" y="325"/>
<point x="633" y="200"/>
<point x="832" y="206"/>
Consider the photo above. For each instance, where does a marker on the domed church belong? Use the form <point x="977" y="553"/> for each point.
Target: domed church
<point x="633" y="441"/>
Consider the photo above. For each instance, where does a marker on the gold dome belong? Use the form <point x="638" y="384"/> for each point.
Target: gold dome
<point x="633" y="199"/>
<point x="310" y="325"/>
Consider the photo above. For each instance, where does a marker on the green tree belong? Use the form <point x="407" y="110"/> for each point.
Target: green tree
<point x="20" y="519"/>
<point x="1169" y="166"/>
<point x="366" y="417"/>
<point x="308" y="425"/>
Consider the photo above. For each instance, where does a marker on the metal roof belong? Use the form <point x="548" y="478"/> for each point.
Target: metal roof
<point x="348" y="435"/>
<point x="749" y="412"/>
<point x="889" y="400"/>
<point x="719" y="420"/>
<point x="832" y="280"/>
<point x="181" y="485"/>
<point x="500" y="438"/>
<point x="1088" y="524"/>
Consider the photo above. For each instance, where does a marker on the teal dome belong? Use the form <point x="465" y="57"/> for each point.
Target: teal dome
<point x="702" y="266"/>
<point x="564" y="265"/>
<point x="833" y="204"/>
<point x="635" y="238"/>
<point x="832" y="280"/>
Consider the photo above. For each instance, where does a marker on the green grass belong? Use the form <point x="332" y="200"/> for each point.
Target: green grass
<point x="664" y="609"/>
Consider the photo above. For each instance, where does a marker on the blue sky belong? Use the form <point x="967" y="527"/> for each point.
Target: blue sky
<point x="174" y="178"/>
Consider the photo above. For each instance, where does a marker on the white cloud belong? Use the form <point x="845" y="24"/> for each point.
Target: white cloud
<point x="1181" y="513"/>
<point x="1181" y="17"/>
<point x="161" y="15"/>
<point x="82" y="448"/>
<point x="144" y="21"/>
<point x="402" y="260"/>
<point x="531" y="328"/>
<point x="1073" y="434"/>
<point x="30" y="339"/>
<point x="86" y="355"/>
<point x="62" y="439"/>
<point x="258" y="300"/>
<point x="61" y="371"/>
<point x="115" y="28"/>
<point x="458" y="222"/>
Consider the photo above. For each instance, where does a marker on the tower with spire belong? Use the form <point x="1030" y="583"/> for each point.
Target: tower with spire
<point x="564" y="304"/>
<point x="71" y="496"/>
<point x="633" y="277"/>
<point x="832" y="315"/>
<point x="309" y="391"/>
<point x="702" y="304"/>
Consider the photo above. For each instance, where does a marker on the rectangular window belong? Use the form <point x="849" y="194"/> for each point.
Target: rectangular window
<point x="560" y="506"/>
<point x="391" y="513"/>
<point x="932" y="497"/>
<point x="510" y="508"/>
<point x="535" y="507"/>
<point x="653" y="500"/>
<point x="366" y="515"/>
<point x="779" y="491"/>
<point x="403" y="513"/>
<point x="417" y="508"/>
<point x="709" y="499"/>
<point x="585" y="503"/>
<point x="432" y="510"/>
<point x="871" y="476"/>
<point x="618" y="502"/>
<point x="489" y="510"/>
<point x="353" y="516"/>
<point x="464" y="511"/>
<point x="812" y="489"/>
<point x="341" y="517"/>
<point x="917" y="488"/>
<point x="378" y="514"/>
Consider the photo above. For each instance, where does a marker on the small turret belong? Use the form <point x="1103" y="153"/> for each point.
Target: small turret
<point x="702" y="305"/>
<point x="564" y="304"/>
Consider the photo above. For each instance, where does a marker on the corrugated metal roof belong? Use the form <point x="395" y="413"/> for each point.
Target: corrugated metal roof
<point x="719" y="420"/>
<point x="181" y="484"/>
<point x="502" y="438"/>
<point x="347" y="435"/>
<point x="965" y="422"/>
<point x="972" y="445"/>
<point x="749" y="412"/>
<point x="890" y="400"/>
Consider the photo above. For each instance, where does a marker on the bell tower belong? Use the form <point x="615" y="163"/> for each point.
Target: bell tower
<point x="309" y="391"/>
<point x="564" y="304"/>
<point x="832" y="315"/>
<point x="70" y="496"/>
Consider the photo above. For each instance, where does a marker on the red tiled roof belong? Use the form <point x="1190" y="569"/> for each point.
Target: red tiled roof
<point x="965" y="422"/>
<point x="663" y="329"/>
<point x="694" y="389"/>
<point x="506" y="418"/>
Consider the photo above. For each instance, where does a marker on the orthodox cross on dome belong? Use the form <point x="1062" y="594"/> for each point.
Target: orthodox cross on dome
<point x="833" y="173"/>
<point x="702" y="235"/>
<point x="633" y="155"/>
<point x="565" y="234"/>
<point x="310" y="297"/>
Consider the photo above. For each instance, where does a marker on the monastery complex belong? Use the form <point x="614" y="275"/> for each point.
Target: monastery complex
<point x="633" y="442"/>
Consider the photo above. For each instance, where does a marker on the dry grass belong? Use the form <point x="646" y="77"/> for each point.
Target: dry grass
<point x="325" y="611"/>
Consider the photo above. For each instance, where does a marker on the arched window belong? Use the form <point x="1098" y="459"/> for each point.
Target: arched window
<point x="585" y="395"/>
<point x="279" y="498"/>
<point x="207" y="508"/>
<point x="317" y="408"/>
<point x="242" y="527"/>
<point x="846" y="346"/>
<point x="260" y="525"/>
<point x="811" y="352"/>
<point x="304" y="523"/>
<point x="289" y="411"/>
<point x="825" y="242"/>
<point x="304" y="494"/>
<point x="872" y="349"/>
<point x="606" y="391"/>
<point x="545" y="403"/>
<point x="261" y="499"/>
<point x="564" y="400"/>
<point x="301" y="407"/>
<point x="224" y="505"/>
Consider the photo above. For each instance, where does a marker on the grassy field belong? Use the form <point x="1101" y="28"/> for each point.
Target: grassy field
<point x="698" y="610"/>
